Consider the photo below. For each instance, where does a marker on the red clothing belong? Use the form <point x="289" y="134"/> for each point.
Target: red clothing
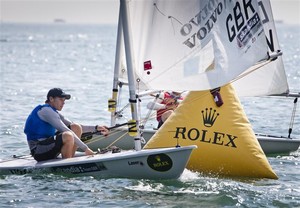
<point x="170" y="101"/>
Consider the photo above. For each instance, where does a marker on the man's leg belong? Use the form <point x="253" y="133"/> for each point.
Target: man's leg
<point x="67" y="150"/>
<point x="48" y="148"/>
<point x="77" y="129"/>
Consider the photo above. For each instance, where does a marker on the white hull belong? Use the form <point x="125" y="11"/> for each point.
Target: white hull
<point x="269" y="144"/>
<point x="164" y="163"/>
<point x="277" y="145"/>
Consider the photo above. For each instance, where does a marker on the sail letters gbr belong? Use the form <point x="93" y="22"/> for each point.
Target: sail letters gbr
<point x="241" y="21"/>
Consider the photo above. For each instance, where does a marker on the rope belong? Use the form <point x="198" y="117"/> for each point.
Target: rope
<point x="150" y="111"/>
<point x="256" y="67"/>
<point x="120" y="137"/>
<point x="101" y="137"/>
<point x="24" y="157"/>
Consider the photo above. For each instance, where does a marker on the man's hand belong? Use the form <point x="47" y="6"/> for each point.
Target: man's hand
<point x="88" y="151"/>
<point x="103" y="129"/>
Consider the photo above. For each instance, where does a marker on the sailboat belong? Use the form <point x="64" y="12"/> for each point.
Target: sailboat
<point x="270" y="80"/>
<point x="193" y="46"/>
<point x="158" y="163"/>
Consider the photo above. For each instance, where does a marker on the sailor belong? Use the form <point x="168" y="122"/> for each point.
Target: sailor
<point x="165" y="105"/>
<point x="49" y="133"/>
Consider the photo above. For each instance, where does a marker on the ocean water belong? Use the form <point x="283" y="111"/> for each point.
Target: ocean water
<point x="80" y="59"/>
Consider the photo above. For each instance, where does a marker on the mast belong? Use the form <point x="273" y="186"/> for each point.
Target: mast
<point x="116" y="70"/>
<point x="130" y="74"/>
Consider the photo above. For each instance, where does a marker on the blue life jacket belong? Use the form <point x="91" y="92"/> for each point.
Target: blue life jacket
<point x="36" y="128"/>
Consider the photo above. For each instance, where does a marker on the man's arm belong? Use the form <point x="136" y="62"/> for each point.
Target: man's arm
<point x="66" y="121"/>
<point x="85" y="128"/>
<point x="155" y="106"/>
<point x="53" y="118"/>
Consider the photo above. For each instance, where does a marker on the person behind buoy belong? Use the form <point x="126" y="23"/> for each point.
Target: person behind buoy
<point x="166" y="103"/>
<point x="49" y="133"/>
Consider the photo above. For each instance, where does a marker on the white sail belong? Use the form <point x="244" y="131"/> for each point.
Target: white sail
<point x="194" y="45"/>
<point x="271" y="78"/>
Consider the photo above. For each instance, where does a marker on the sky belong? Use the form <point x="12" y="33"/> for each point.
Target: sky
<point x="102" y="11"/>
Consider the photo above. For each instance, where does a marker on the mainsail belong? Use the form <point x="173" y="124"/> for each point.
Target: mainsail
<point x="270" y="78"/>
<point x="195" y="45"/>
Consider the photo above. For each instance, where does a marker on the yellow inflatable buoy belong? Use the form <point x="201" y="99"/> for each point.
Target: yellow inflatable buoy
<point x="227" y="145"/>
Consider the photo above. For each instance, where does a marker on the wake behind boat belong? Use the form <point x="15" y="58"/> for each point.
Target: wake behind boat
<point x="164" y="163"/>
